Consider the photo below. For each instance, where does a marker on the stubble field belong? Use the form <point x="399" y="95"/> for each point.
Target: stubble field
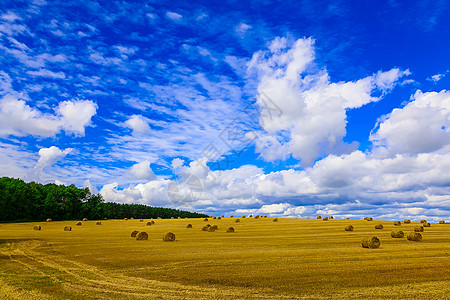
<point x="262" y="259"/>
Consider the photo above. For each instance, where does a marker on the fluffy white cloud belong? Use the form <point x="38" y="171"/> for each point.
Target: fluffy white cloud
<point x="174" y="16"/>
<point x="435" y="78"/>
<point x="18" y="118"/>
<point x="142" y="170"/>
<point x="138" y="124"/>
<point x="302" y="111"/>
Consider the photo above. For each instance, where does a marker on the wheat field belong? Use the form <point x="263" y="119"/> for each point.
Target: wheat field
<point x="262" y="259"/>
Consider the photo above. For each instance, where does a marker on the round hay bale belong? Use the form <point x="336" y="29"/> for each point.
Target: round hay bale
<point x="134" y="233"/>
<point x="153" y="222"/>
<point x="319" y="217"/>
<point x="441" y="222"/>
<point x="169" y="237"/>
<point x="149" y="223"/>
<point x="426" y="224"/>
<point x="418" y="229"/>
<point x="237" y="220"/>
<point x="212" y="229"/>
<point x="230" y="229"/>
<point x="48" y="220"/>
<point x="131" y="218"/>
<point x="215" y="227"/>
<point x="159" y="218"/>
<point x="265" y="216"/>
<point x="171" y="218"/>
<point x="243" y="217"/>
<point x="222" y="216"/>
<point x="369" y="219"/>
<point x="37" y="227"/>
<point x="398" y="234"/>
<point x="142" y="236"/>
<point x="423" y="221"/>
<point x="205" y="228"/>
<point x="397" y="223"/>
<point x="67" y="228"/>
<point x="179" y="218"/>
<point x="331" y="217"/>
<point x="365" y="218"/>
<point x="349" y="228"/>
<point x="257" y="217"/>
<point x="231" y="216"/>
<point x="126" y="219"/>
<point x="371" y="242"/>
<point x="189" y="226"/>
<point x="379" y="226"/>
<point x="251" y="216"/>
<point x="414" y="236"/>
<point x="79" y="224"/>
<point x="275" y="220"/>
<point x="407" y="221"/>
<point x="84" y="219"/>
<point x="325" y="218"/>
<point x="99" y="223"/>
<point x="218" y="218"/>
<point x="141" y="220"/>
<point x="206" y="220"/>
<point x="214" y="218"/>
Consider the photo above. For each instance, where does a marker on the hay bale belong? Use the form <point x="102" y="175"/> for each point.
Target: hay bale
<point x="251" y="216"/>
<point x="257" y="217"/>
<point x="189" y="226"/>
<point x="67" y="228"/>
<point x="142" y="236"/>
<point x="126" y="219"/>
<point x="179" y="218"/>
<point x="79" y="224"/>
<point x="99" y="223"/>
<point x="275" y="220"/>
<point x="423" y="221"/>
<point x="206" y="220"/>
<point x="331" y="217"/>
<point x="371" y="242"/>
<point x="398" y="234"/>
<point x="149" y="223"/>
<point x="414" y="236"/>
<point x="222" y="216"/>
<point x="205" y="228"/>
<point x="349" y="228"/>
<point x="397" y="223"/>
<point x="218" y="218"/>
<point x="207" y="225"/>
<point x="169" y="237"/>
<point x="418" y="229"/>
<point x="215" y="227"/>
<point x="132" y="218"/>
<point x="48" y="220"/>
<point x="141" y="220"/>
<point x="231" y="216"/>
<point x="159" y="218"/>
<point x="153" y="222"/>
<point x="407" y="221"/>
<point x="265" y="216"/>
<point x="134" y="233"/>
<point x="85" y="219"/>
<point x="171" y="218"/>
<point x="379" y="226"/>
<point x="441" y="222"/>
<point x="325" y="219"/>
<point x="426" y="224"/>
<point x="212" y="229"/>
<point x="369" y="219"/>
<point x="230" y="229"/>
<point x="319" y="217"/>
<point x="37" y="227"/>
<point x="243" y="217"/>
<point x="237" y="220"/>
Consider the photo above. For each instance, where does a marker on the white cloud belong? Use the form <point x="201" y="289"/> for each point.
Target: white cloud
<point x="242" y="29"/>
<point x="303" y="112"/>
<point x="174" y="16"/>
<point x="138" y="124"/>
<point x="177" y="163"/>
<point x="435" y="78"/>
<point x="47" y="73"/>
<point x="142" y="171"/>
<point x="49" y="156"/>
<point x="18" y="118"/>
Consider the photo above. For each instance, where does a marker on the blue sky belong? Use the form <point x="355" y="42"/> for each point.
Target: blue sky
<point x="292" y="109"/>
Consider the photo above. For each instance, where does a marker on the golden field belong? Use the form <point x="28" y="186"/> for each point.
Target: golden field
<point x="288" y="259"/>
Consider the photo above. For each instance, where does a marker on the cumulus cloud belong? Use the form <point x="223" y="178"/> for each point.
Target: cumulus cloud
<point x="47" y="157"/>
<point x="20" y="119"/>
<point x="302" y="112"/>
<point x="142" y="171"/>
<point x="138" y="124"/>
<point x="435" y="78"/>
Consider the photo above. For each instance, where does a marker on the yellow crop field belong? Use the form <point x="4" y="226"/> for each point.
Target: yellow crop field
<point x="261" y="259"/>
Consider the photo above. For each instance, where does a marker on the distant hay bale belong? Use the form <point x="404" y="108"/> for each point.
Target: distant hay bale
<point x="79" y="224"/>
<point x="349" y="228"/>
<point x="214" y="218"/>
<point x="222" y="216"/>
<point x="418" y="229"/>
<point x="230" y="229"/>
<point x="331" y="217"/>
<point x="189" y="226"/>
<point x="365" y="218"/>
<point x="257" y="217"/>
<point x="237" y="221"/>
<point x="99" y="223"/>
<point x="371" y="242"/>
<point x="265" y="216"/>
<point x="243" y="217"/>
<point x="379" y="226"/>
<point x="215" y="227"/>
<point x="275" y="220"/>
<point x="212" y="229"/>
<point x="251" y="216"/>
<point x="141" y="220"/>
<point x="397" y="223"/>
<point x="218" y="218"/>
<point x="48" y="220"/>
<point x="369" y="219"/>
<point x="134" y="233"/>
<point x="398" y="234"/>
<point x="319" y="217"/>
<point x="126" y="219"/>
<point x="37" y="227"/>
<point x="153" y="222"/>
<point x="414" y="236"/>
<point x="407" y="221"/>
<point x="423" y="221"/>
<point x="169" y="237"/>
<point x="206" y="220"/>
<point x="149" y="223"/>
<point x="231" y="216"/>
<point x="179" y="218"/>
<point x="207" y="225"/>
<point x="84" y="219"/>
<point x="426" y="224"/>
<point x="441" y="222"/>
<point x="325" y="218"/>
<point x="205" y="228"/>
<point x="159" y="218"/>
<point x="67" y="228"/>
<point x="171" y="217"/>
<point x="142" y="236"/>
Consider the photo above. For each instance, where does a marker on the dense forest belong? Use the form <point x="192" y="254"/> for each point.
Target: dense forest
<point x="21" y="201"/>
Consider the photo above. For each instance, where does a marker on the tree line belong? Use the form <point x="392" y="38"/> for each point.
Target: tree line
<point x="22" y="201"/>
